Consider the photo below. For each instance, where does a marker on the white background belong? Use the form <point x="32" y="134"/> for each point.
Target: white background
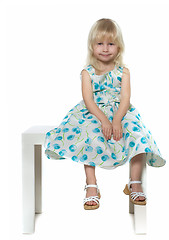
<point x="43" y="49"/>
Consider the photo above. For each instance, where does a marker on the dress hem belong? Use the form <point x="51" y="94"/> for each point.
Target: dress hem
<point x="50" y="155"/>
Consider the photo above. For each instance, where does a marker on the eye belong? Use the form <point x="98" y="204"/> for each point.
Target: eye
<point x="99" y="43"/>
<point x="111" y="44"/>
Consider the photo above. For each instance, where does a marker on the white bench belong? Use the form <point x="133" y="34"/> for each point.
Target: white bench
<point x="32" y="141"/>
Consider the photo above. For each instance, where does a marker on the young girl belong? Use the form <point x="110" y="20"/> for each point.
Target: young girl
<point x="105" y="129"/>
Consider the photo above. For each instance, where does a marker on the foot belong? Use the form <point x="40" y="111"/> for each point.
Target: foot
<point x="91" y="191"/>
<point x="136" y="187"/>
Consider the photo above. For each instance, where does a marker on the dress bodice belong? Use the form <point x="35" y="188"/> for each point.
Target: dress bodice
<point x="106" y="87"/>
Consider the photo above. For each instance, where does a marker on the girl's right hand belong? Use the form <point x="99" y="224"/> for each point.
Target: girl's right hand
<point x="107" y="128"/>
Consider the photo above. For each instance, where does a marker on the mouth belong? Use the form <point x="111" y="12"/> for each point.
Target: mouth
<point x="105" y="55"/>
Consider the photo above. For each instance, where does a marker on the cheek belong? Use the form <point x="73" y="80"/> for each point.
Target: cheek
<point x="117" y="50"/>
<point x="96" y="50"/>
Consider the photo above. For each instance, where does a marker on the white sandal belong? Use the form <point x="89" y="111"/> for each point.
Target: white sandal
<point x="92" y="198"/>
<point x="133" y="195"/>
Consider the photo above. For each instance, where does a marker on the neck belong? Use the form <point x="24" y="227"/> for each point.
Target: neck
<point x="104" y="67"/>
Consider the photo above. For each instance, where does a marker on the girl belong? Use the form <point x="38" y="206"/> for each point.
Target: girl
<point x="105" y="129"/>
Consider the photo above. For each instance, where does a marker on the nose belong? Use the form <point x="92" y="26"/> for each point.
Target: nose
<point x="105" y="47"/>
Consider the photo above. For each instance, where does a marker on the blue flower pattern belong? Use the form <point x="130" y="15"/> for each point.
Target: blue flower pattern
<point x="79" y="136"/>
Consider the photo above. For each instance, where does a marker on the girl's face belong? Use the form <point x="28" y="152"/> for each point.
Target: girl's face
<point x="105" y="50"/>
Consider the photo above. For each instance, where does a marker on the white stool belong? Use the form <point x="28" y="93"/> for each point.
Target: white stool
<point x="32" y="141"/>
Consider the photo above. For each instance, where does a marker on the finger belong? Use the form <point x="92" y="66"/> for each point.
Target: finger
<point x="119" y="135"/>
<point x="106" y="136"/>
<point x="114" y="135"/>
<point x="108" y="133"/>
<point x="109" y="137"/>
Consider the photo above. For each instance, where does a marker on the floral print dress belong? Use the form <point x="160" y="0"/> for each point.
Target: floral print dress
<point x="79" y="136"/>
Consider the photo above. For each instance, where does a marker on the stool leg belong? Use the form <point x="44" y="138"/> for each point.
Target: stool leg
<point x="140" y="217"/>
<point x="38" y="178"/>
<point x="138" y="210"/>
<point x="28" y="188"/>
<point x="131" y="207"/>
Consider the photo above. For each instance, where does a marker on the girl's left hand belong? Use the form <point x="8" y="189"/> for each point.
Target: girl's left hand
<point x="117" y="129"/>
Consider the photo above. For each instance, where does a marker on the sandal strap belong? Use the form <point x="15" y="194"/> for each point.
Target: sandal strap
<point x="92" y="198"/>
<point x="131" y="182"/>
<point x="134" y="195"/>
<point x="90" y="185"/>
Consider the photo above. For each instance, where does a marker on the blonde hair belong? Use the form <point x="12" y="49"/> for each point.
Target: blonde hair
<point x="105" y="28"/>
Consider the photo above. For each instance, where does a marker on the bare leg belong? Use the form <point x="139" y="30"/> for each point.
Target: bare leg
<point x="136" y="172"/>
<point x="90" y="179"/>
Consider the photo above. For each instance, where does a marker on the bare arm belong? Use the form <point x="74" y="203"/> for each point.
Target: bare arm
<point x="87" y="94"/>
<point x="125" y="96"/>
<point x="123" y="107"/>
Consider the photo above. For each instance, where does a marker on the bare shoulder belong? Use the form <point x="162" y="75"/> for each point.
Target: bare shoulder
<point x="125" y="85"/>
<point x="85" y="74"/>
<point x="87" y="91"/>
<point x="126" y="71"/>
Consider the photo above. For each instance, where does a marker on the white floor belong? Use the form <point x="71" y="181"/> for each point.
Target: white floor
<point x="63" y="215"/>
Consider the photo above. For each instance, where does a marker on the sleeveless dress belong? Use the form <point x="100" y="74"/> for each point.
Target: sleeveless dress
<point x="79" y="136"/>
